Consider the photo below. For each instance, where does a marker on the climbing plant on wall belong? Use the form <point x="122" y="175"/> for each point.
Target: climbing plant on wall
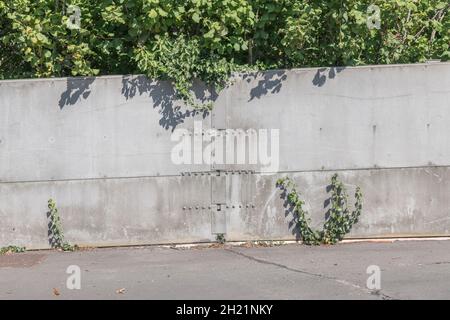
<point x="339" y="220"/>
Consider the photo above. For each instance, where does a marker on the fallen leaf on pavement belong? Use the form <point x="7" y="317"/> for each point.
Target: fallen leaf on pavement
<point x="55" y="292"/>
<point x="120" y="291"/>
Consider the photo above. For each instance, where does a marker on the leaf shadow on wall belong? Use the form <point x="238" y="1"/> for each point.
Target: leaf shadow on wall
<point x="77" y="88"/>
<point x="269" y="82"/>
<point x="289" y="212"/>
<point x="321" y="76"/>
<point x="165" y="99"/>
<point x="53" y="239"/>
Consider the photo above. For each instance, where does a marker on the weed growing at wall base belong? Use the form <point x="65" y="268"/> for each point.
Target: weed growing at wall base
<point x="339" y="219"/>
<point x="220" y="238"/>
<point x="12" y="249"/>
<point x="55" y="230"/>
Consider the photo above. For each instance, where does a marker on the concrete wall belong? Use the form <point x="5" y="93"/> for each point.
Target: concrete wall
<point x="101" y="147"/>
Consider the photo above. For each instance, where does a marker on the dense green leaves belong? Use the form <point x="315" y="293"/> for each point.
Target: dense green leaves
<point x="181" y="40"/>
<point x="11" y="249"/>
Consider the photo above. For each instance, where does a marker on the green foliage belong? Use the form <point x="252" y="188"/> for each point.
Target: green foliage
<point x="56" y="233"/>
<point x="11" y="249"/>
<point x="181" y="40"/>
<point x="339" y="220"/>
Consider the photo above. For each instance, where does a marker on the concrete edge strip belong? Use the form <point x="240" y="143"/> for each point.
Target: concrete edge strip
<point x="256" y="243"/>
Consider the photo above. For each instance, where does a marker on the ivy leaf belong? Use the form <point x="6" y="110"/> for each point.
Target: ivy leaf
<point x="209" y="34"/>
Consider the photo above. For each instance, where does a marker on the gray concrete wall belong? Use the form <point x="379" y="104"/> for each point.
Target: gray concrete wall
<point x="101" y="147"/>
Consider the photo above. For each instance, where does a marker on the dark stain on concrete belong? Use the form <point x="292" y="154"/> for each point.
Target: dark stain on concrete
<point x="21" y="260"/>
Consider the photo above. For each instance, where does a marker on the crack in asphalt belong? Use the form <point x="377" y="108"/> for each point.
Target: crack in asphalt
<point x="383" y="296"/>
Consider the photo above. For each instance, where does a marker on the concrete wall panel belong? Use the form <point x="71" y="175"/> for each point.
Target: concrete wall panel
<point x="397" y="202"/>
<point x="108" y="211"/>
<point x="349" y="118"/>
<point x="101" y="147"/>
<point x="58" y="129"/>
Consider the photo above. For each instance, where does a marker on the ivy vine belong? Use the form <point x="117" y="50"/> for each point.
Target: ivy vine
<point x="11" y="249"/>
<point x="339" y="220"/>
<point x="56" y="234"/>
<point x="184" y="40"/>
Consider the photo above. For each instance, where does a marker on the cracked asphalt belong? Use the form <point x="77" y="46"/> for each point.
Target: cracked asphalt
<point x="408" y="270"/>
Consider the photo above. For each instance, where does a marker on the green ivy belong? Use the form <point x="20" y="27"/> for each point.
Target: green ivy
<point x="55" y="229"/>
<point x="339" y="221"/>
<point x="220" y="238"/>
<point x="11" y="249"/>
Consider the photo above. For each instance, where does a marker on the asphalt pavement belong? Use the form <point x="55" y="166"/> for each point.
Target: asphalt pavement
<point x="397" y="270"/>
